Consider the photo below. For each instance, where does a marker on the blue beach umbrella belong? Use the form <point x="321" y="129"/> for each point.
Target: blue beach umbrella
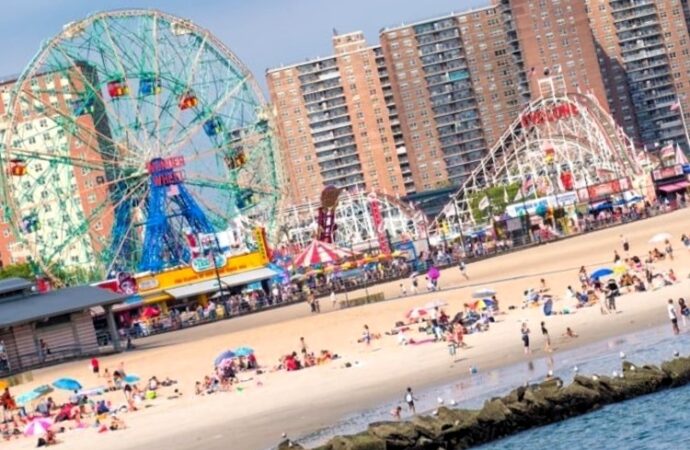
<point x="131" y="378"/>
<point x="67" y="384"/>
<point x="243" y="351"/>
<point x="601" y="272"/>
<point x="228" y="354"/>
<point x="27" y="397"/>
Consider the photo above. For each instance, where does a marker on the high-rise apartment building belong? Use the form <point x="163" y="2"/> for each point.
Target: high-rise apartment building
<point x="334" y="125"/>
<point x="555" y="38"/>
<point x="455" y="88"/>
<point x="644" y="44"/>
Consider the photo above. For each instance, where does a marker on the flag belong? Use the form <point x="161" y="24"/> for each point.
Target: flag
<point x="527" y="186"/>
<point x="483" y="203"/>
<point x="680" y="156"/>
<point x="675" y="105"/>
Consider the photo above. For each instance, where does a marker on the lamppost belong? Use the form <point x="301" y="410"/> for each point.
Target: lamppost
<point x="459" y="223"/>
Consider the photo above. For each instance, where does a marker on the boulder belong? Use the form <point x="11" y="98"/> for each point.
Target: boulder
<point x="361" y="441"/>
<point x="678" y="371"/>
<point x="395" y="434"/>
<point x="287" y="444"/>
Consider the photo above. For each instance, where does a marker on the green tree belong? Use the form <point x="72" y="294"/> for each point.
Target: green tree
<point x="17" y="271"/>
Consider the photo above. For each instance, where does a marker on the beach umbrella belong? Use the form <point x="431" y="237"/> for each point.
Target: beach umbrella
<point x="131" y="379"/>
<point x="483" y="292"/>
<point x="660" y="238"/>
<point x="433" y="273"/>
<point x="435" y="304"/>
<point x="480" y="304"/>
<point x="243" y="351"/>
<point x="601" y="272"/>
<point x="27" y="397"/>
<point x="67" y="384"/>
<point x="228" y="354"/>
<point x="38" y="427"/>
<point x="416" y="313"/>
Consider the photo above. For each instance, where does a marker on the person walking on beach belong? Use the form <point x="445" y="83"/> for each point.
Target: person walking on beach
<point x="525" y="338"/>
<point x="463" y="269"/>
<point x="333" y="298"/>
<point x="616" y="256"/>
<point x="684" y="311"/>
<point x="625" y="244"/>
<point x="673" y="316"/>
<point x="669" y="249"/>
<point x="611" y="293"/>
<point x="547" y="338"/>
<point x="95" y="367"/>
<point x="366" y="335"/>
<point x="303" y="346"/>
<point x="410" y="399"/>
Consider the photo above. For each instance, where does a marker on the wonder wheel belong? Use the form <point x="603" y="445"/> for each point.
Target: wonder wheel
<point x="134" y="137"/>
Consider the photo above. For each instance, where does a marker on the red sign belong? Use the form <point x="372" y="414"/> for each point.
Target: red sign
<point x="378" y="224"/>
<point x="667" y="172"/>
<point x="169" y="178"/>
<point x="552" y="114"/>
<point x="603" y="190"/>
<point x="160" y="164"/>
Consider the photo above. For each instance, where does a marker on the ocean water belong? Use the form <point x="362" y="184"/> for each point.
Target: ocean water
<point x="658" y="421"/>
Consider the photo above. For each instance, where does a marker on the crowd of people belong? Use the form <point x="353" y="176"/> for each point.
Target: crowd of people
<point x="99" y="408"/>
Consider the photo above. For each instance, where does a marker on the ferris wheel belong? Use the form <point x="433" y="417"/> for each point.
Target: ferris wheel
<point x="131" y="137"/>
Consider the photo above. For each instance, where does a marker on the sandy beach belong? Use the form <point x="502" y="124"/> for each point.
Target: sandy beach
<point x="299" y="402"/>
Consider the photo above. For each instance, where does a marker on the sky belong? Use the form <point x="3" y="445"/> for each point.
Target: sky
<point x="262" y="33"/>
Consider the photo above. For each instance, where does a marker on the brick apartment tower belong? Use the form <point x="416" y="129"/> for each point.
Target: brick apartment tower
<point x="333" y="123"/>
<point x="645" y="48"/>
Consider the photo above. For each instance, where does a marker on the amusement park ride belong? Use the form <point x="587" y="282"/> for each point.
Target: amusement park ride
<point x="563" y="149"/>
<point x="137" y="142"/>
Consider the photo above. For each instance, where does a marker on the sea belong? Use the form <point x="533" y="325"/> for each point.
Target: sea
<point x="658" y="421"/>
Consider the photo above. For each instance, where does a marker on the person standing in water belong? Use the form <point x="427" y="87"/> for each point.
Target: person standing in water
<point x="684" y="311"/>
<point x="525" y="338"/>
<point x="409" y="399"/>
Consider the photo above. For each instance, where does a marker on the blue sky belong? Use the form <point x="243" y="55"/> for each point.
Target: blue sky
<point x="263" y="33"/>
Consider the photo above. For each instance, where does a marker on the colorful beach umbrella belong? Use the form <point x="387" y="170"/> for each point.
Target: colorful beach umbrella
<point x="243" y="351"/>
<point x="228" y="354"/>
<point x="601" y="272"/>
<point x="480" y="304"/>
<point x="27" y="397"/>
<point x="38" y="427"/>
<point x="67" y="384"/>
<point x="319" y="252"/>
<point x="483" y="292"/>
<point x="131" y="379"/>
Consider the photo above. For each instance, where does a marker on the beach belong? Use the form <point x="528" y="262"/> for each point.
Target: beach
<point x="303" y="401"/>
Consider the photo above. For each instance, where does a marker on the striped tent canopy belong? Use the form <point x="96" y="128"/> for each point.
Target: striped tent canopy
<point x="319" y="252"/>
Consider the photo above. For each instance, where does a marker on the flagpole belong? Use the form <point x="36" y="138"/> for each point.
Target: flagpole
<point x="685" y="125"/>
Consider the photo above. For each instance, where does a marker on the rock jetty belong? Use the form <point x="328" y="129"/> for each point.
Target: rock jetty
<point x="523" y="408"/>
